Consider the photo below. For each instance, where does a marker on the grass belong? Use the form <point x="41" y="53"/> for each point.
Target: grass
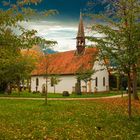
<point x="58" y="95"/>
<point x="67" y="120"/>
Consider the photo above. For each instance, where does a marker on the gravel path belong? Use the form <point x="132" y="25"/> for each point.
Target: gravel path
<point x="62" y="99"/>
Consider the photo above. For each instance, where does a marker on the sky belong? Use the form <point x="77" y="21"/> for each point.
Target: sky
<point x="61" y="27"/>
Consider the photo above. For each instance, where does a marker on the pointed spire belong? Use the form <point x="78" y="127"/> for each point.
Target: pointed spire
<point x="80" y="37"/>
<point x="81" y="27"/>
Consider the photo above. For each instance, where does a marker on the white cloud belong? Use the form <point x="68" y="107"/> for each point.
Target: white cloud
<point x="63" y="34"/>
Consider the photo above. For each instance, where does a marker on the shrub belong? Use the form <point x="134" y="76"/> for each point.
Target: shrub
<point x="35" y="92"/>
<point x="65" y="93"/>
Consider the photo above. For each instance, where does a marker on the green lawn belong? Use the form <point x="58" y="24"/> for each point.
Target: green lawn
<point x="66" y="120"/>
<point x="58" y="95"/>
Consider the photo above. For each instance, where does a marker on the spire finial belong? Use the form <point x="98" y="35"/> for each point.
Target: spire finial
<point x="80" y="13"/>
<point x="81" y="26"/>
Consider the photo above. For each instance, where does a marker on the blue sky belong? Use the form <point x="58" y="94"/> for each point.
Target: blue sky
<point x="63" y="26"/>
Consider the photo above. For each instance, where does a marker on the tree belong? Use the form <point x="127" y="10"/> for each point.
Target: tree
<point x="85" y="75"/>
<point x="121" y="38"/>
<point x="46" y="65"/>
<point x="54" y="81"/>
<point x="11" y="43"/>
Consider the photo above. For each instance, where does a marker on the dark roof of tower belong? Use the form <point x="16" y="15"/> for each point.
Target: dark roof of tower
<point x="81" y="28"/>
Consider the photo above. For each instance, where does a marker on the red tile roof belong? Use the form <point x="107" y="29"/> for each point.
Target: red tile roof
<point x="66" y="62"/>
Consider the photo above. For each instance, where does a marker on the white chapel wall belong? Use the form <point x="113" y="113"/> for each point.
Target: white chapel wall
<point x="100" y="72"/>
<point x="67" y="82"/>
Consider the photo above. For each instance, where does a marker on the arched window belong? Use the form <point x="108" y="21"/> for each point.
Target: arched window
<point x="103" y="81"/>
<point x="96" y="82"/>
<point x="37" y="81"/>
<point x="78" y="42"/>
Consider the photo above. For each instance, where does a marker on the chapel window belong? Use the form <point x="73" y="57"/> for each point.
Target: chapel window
<point x="103" y="81"/>
<point x="96" y="82"/>
<point x="37" y="81"/>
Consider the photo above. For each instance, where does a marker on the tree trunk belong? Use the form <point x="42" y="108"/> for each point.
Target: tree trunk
<point x="135" y="94"/>
<point x="29" y="84"/>
<point x="86" y="86"/>
<point x="118" y="82"/>
<point x="46" y="92"/>
<point x="54" y="88"/>
<point x="78" y="87"/>
<point x="18" y="86"/>
<point x="129" y="95"/>
<point x="8" y="89"/>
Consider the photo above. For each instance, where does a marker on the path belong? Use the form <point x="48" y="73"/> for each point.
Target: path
<point x="62" y="99"/>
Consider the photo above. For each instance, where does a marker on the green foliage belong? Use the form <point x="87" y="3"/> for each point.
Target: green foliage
<point x="13" y="66"/>
<point x="55" y="80"/>
<point x="121" y="33"/>
<point x="85" y="75"/>
<point x="65" y="93"/>
<point x="90" y="120"/>
<point x="121" y="39"/>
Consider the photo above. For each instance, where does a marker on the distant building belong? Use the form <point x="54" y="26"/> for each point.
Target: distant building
<point x="67" y="64"/>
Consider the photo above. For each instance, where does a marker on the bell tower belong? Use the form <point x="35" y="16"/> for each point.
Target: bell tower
<point x="80" y="45"/>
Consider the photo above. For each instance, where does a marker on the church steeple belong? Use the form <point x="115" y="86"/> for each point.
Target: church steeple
<point x="80" y="37"/>
<point x="81" y="27"/>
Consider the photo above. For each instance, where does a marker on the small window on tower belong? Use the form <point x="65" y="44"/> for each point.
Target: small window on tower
<point x="79" y="42"/>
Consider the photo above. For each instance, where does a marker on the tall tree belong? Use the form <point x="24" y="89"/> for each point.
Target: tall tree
<point x="121" y="38"/>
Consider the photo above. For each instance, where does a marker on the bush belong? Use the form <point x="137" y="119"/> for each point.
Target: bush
<point x="35" y="92"/>
<point x="65" y="93"/>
